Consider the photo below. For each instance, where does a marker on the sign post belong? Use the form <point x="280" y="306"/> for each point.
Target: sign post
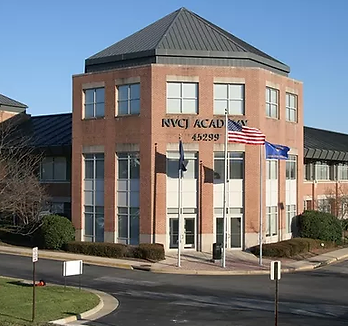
<point x="275" y="276"/>
<point x="35" y="258"/>
<point x="73" y="267"/>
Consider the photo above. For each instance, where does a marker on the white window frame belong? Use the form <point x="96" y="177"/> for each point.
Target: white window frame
<point x="291" y="165"/>
<point x="322" y="171"/>
<point x="270" y="104"/>
<point x="342" y="170"/>
<point x="95" y="102"/>
<point x="128" y="100"/>
<point x="272" y="221"/>
<point x="181" y="98"/>
<point x="291" y="212"/>
<point x="291" y="109"/>
<point x="230" y="99"/>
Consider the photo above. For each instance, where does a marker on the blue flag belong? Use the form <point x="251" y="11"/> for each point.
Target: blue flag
<point x="182" y="166"/>
<point x="278" y="152"/>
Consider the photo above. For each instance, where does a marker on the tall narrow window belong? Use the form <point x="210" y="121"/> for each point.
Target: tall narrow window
<point x="182" y="97"/>
<point x="291" y="107"/>
<point x="94" y="103"/>
<point x="94" y="197"/>
<point x="128" y="186"/>
<point x="291" y="167"/>
<point x="272" y="96"/>
<point x="230" y="97"/>
<point x="129" y="99"/>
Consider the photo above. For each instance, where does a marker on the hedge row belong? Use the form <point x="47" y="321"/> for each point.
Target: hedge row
<point x="147" y="251"/>
<point x="291" y="248"/>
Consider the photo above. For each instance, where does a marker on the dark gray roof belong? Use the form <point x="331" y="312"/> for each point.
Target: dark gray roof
<point x="325" y="145"/>
<point x="4" y="100"/>
<point x="182" y="34"/>
<point x="46" y="131"/>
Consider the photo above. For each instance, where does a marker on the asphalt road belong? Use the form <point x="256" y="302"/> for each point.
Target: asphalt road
<point x="316" y="298"/>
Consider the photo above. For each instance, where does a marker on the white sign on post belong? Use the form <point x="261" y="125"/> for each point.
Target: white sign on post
<point x="35" y="257"/>
<point x="275" y="270"/>
<point x="73" y="267"/>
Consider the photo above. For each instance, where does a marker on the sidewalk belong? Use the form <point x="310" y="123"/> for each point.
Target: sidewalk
<point x="193" y="262"/>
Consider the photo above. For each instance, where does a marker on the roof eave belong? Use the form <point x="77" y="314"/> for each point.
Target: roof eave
<point x="189" y="53"/>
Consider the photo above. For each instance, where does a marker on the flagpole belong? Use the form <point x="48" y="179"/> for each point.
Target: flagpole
<point x="224" y="197"/>
<point x="261" y="203"/>
<point x="179" y="216"/>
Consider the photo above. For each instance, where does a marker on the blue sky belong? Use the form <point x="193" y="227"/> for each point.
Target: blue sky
<point x="44" y="43"/>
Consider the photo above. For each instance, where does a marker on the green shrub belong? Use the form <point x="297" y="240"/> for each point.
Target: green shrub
<point x="54" y="232"/>
<point x="101" y="249"/>
<point x="10" y="236"/>
<point x="148" y="251"/>
<point x="291" y="248"/>
<point x="320" y="225"/>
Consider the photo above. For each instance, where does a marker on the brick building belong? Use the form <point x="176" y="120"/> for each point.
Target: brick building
<point x="174" y="78"/>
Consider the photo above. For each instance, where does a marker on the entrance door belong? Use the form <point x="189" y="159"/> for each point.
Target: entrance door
<point x="234" y="231"/>
<point x="189" y="232"/>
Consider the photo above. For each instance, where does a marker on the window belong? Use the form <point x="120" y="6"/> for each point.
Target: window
<point x="272" y="102"/>
<point x="182" y="97"/>
<point x="94" y="103"/>
<point x="291" y="167"/>
<point x="308" y="172"/>
<point x="190" y="163"/>
<point x="290" y="214"/>
<point x="322" y="171"/>
<point x="53" y="169"/>
<point x="128" y="99"/>
<point x="342" y="171"/>
<point x="272" y="169"/>
<point x="291" y="107"/>
<point x="324" y="205"/>
<point x="128" y="187"/>
<point x="235" y="166"/>
<point x="94" y="197"/>
<point x="272" y="220"/>
<point x="230" y="97"/>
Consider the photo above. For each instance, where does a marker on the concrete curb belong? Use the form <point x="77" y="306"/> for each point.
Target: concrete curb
<point x="64" y="258"/>
<point x="89" y="313"/>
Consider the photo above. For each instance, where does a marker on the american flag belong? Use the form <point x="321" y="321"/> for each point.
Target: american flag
<point x="243" y="134"/>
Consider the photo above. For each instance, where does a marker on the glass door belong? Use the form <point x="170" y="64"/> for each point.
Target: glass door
<point x="190" y="232"/>
<point x="236" y="232"/>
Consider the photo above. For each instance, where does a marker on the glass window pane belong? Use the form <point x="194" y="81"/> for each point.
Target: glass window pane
<point x="134" y="226"/>
<point x="88" y="224"/>
<point x="173" y="90"/>
<point x="59" y="168"/>
<point x="47" y="168"/>
<point x="99" y="110"/>
<point x="134" y="168"/>
<point x="123" y="107"/>
<point x="189" y="106"/>
<point x="99" y="227"/>
<point x="89" y="96"/>
<point x="172" y="168"/>
<point x="135" y="107"/>
<point x="123" y="93"/>
<point x="99" y="198"/>
<point x="236" y="107"/>
<point x="89" y="198"/>
<point x="134" y="199"/>
<point x="236" y="92"/>
<point x="236" y="231"/>
<point x="100" y="169"/>
<point x="173" y="232"/>
<point x="236" y="169"/>
<point x="122" y="226"/>
<point x="122" y="169"/>
<point x="173" y="105"/>
<point x="190" y="172"/>
<point x="220" y="106"/>
<point x="122" y="198"/>
<point x="89" y="110"/>
<point x="99" y="95"/>
<point x="219" y="170"/>
<point x="189" y="90"/>
<point x="89" y="171"/>
<point x="220" y="91"/>
<point x="135" y="91"/>
<point x="274" y="96"/>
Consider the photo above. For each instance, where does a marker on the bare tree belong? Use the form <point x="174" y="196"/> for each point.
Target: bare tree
<point x="21" y="194"/>
<point x="336" y="200"/>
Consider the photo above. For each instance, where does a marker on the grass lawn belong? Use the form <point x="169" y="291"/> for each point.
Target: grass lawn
<point x="52" y="302"/>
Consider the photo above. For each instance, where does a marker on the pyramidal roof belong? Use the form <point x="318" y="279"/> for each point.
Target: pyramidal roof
<point x="183" y="37"/>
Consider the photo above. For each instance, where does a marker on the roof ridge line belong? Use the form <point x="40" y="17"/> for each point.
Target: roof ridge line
<point x="170" y="25"/>
<point x="214" y="27"/>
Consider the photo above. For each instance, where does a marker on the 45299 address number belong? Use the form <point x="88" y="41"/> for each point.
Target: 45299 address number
<point x="205" y="137"/>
